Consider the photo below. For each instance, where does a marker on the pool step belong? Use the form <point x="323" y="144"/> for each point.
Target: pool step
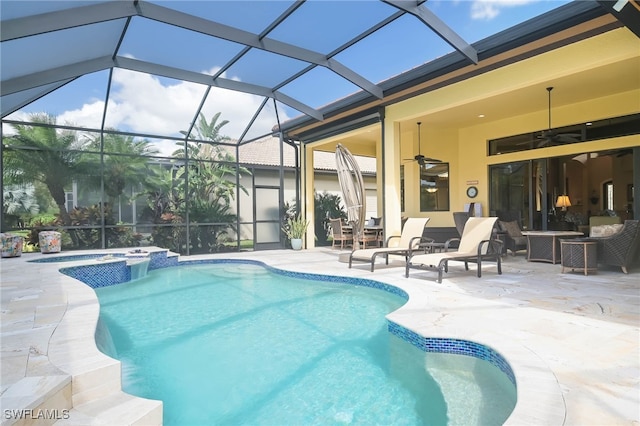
<point x="116" y="409"/>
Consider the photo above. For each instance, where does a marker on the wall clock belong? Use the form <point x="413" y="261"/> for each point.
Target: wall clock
<point x="472" y="192"/>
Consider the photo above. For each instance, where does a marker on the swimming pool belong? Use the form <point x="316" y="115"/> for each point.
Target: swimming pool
<point x="237" y="343"/>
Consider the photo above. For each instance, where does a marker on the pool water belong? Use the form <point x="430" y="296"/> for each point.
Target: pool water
<point x="238" y="344"/>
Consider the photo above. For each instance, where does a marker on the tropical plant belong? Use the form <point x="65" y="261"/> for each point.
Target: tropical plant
<point x="296" y="227"/>
<point x="124" y="163"/>
<point x="326" y="206"/>
<point x="173" y="236"/>
<point x="17" y="200"/>
<point x="207" y="181"/>
<point x="204" y="131"/>
<point x="211" y="187"/>
<point x="42" y="153"/>
<point x="87" y="235"/>
<point x="18" y="203"/>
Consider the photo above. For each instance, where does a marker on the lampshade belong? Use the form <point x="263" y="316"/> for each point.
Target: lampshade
<point x="563" y="201"/>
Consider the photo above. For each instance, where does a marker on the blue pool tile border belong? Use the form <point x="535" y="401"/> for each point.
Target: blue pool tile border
<point x="73" y="257"/>
<point x="100" y="274"/>
<point x="453" y="346"/>
<point x="118" y="272"/>
<point x="115" y="271"/>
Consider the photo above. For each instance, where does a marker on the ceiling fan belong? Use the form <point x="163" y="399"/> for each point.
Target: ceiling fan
<point x="421" y="159"/>
<point x="549" y="136"/>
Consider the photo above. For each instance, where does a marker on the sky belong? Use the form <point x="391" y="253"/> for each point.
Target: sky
<point x="156" y="105"/>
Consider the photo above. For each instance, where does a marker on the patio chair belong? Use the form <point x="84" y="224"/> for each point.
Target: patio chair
<point x="621" y="248"/>
<point x="512" y="234"/>
<point x="460" y="218"/>
<point x="475" y="246"/>
<point x="410" y="238"/>
<point x="369" y="237"/>
<point x="340" y="234"/>
<point x="510" y="226"/>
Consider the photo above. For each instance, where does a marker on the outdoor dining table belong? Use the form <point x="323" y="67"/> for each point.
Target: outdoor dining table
<point x="376" y="228"/>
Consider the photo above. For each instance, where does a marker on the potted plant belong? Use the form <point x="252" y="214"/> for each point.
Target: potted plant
<point x="295" y="228"/>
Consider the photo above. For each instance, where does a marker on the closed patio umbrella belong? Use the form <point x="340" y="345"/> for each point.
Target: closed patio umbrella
<point x="352" y="187"/>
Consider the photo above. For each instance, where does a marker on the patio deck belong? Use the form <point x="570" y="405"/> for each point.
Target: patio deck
<point x="573" y="341"/>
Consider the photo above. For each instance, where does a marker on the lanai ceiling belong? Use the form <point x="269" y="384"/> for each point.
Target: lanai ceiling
<point x="101" y="64"/>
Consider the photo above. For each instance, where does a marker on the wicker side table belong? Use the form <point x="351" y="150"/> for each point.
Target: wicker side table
<point x="580" y="254"/>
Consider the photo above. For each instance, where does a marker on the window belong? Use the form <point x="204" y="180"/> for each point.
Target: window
<point x="69" y="200"/>
<point x="582" y="132"/>
<point x="608" y="195"/>
<point x="434" y="187"/>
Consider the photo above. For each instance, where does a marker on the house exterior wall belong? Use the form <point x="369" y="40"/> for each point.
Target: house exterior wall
<point x="465" y="148"/>
<point x="324" y="181"/>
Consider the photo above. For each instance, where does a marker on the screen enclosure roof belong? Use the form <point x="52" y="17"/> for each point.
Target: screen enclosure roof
<point x="152" y="67"/>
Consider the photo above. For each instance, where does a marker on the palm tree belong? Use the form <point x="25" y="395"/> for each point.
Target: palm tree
<point x="42" y="153"/>
<point x="212" y="185"/>
<point x="20" y="199"/>
<point x="205" y="131"/>
<point x="125" y="162"/>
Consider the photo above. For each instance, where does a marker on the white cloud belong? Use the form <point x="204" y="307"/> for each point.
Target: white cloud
<point x="144" y="103"/>
<point x="89" y="115"/>
<point x="489" y="9"/>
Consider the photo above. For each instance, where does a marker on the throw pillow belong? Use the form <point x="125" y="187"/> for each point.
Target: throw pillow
<point x="605" y="230"/>
<point x="512" y="228"/>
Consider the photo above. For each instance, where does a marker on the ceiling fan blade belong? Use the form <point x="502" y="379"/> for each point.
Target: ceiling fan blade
<point x="566" y="138"/>
<point x="419" y="158"/>
<point x="544" y="142"/>
<point x="560" y="138"/>
<point x="546" y="134"/>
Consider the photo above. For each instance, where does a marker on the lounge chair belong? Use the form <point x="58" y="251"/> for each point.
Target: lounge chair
<point x="475" y="245"/>
<point x="409" y="239"/>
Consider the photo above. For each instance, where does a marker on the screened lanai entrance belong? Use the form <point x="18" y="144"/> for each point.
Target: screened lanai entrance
<point x="267" y="233"/>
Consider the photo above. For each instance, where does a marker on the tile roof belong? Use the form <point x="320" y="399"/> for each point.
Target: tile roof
<point x="265" y="152"/>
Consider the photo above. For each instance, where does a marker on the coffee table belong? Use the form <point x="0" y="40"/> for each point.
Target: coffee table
<point x="544" y="246"/>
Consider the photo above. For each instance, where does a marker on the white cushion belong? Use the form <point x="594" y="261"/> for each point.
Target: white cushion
<point x="605" y="230"/>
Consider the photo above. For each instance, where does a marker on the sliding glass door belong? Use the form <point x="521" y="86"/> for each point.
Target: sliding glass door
<point x="510" y="191"/>
<point x="562" y="193"/>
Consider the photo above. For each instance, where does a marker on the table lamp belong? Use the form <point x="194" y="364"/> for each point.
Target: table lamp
<point x="563" y="201"/>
